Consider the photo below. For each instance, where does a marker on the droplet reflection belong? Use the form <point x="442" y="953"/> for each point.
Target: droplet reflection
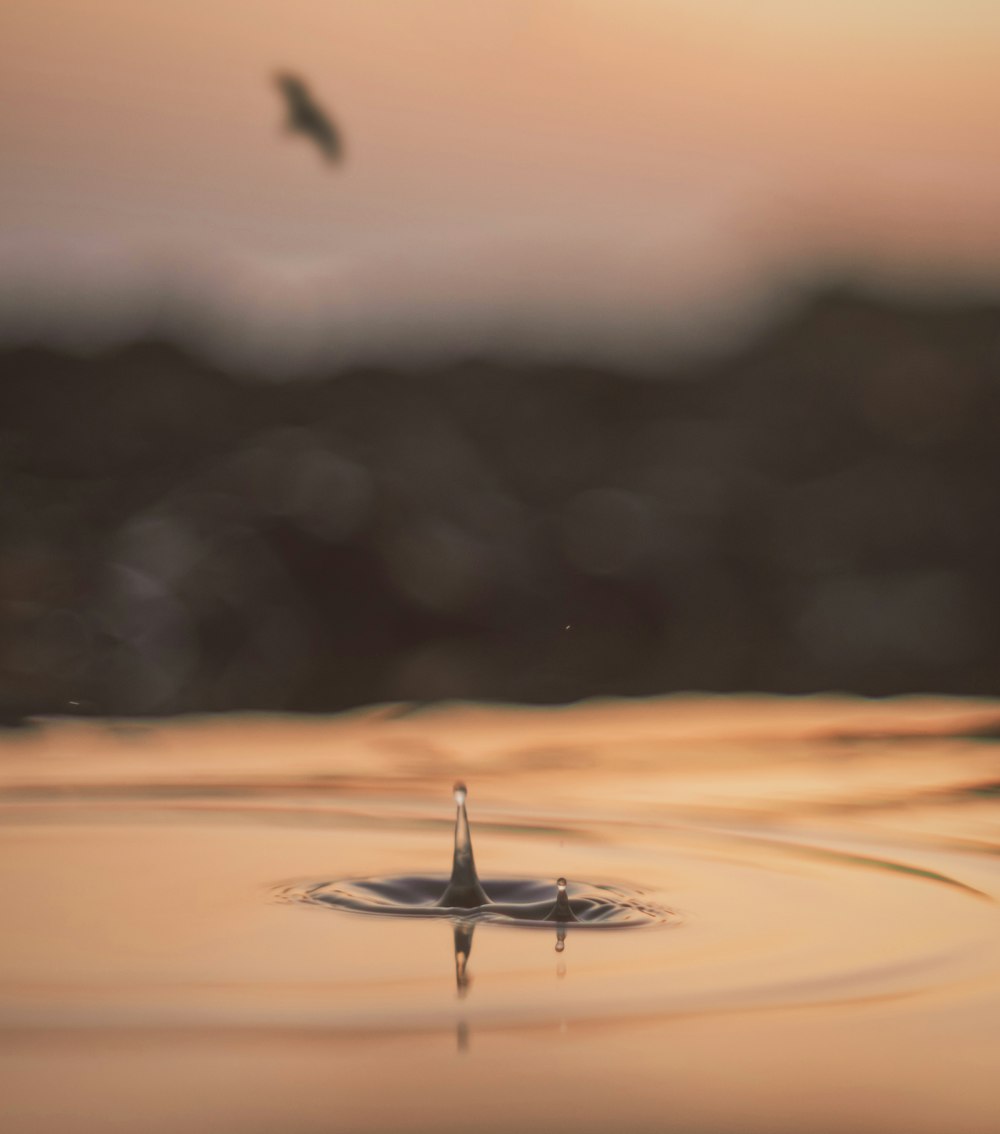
<point x="463" y="948"/>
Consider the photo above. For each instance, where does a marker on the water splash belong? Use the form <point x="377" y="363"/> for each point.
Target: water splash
<point x="562" y="910"/>
<point x="463" y="897"/>
<point x="464" y="890"/>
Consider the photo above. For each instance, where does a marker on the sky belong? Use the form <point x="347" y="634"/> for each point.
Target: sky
<point x="596" y="177"/>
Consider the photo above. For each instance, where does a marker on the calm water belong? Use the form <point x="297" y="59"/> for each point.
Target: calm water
<point x="812" y="939"/>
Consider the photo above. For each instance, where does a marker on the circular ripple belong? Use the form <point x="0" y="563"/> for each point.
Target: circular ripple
<point x="512" y="901"/>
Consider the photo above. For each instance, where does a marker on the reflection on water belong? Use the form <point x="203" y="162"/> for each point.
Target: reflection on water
<point x="464" y="931"/>
<point x="820" y="879"/>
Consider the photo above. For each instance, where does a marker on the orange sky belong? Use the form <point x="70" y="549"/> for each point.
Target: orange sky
<point x="548" y="162"/>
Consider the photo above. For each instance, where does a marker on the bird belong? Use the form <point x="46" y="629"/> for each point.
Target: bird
<point x="306" y="116"/>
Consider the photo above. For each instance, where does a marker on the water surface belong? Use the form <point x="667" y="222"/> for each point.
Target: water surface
<point x="828" y="958"/>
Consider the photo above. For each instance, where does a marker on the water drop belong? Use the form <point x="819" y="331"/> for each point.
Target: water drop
<point x="464" y="890"/>
<point x="562" y="910"/>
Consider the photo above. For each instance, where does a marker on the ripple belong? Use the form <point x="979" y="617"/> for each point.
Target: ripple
<point x="509" y="901"/>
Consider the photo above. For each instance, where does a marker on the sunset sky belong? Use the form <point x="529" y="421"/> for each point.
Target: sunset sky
<point x="588" y="174"/>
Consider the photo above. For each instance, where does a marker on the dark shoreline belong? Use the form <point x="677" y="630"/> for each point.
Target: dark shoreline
<point x="815" y="511"/>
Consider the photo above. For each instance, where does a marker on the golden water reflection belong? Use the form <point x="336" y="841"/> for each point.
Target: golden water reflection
<point x="835" y="962"/>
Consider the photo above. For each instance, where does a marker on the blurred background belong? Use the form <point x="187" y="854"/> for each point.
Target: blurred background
<point x="632" y="347"/>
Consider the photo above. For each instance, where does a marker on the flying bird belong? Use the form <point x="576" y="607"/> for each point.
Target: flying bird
<point x="306" y="116"/>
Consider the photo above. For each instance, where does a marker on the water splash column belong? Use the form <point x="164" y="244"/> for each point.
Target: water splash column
<point x="464" y="890"/>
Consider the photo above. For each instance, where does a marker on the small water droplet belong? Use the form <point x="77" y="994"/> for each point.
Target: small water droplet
<point x="461" y="792"/>
<point x="562" y="910"/>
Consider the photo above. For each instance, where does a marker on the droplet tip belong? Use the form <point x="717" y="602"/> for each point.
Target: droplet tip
<point x="461" y="792"/>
